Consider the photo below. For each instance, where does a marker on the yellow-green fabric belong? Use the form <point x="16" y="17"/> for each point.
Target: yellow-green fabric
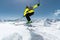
<point x="27" y="10"/>
<point x="35" y="6"/>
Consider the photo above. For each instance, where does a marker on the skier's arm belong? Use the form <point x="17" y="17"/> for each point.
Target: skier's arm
<point x="35" y="6"/>
<point x="26" y="11"/>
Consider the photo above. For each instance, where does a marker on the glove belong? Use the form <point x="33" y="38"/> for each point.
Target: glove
<point x="38" y="4"/>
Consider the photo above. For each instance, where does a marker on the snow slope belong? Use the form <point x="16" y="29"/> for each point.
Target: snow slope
<point x="41" y="29"/>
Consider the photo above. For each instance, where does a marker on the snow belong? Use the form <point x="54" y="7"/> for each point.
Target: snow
<point x="7" y="29"/>
<point x="44" y="30"/>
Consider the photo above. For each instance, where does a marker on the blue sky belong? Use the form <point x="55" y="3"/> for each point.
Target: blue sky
<point x="10" y="9"/>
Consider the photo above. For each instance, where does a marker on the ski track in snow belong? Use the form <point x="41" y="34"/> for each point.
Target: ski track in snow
<point x="38" y="31"/>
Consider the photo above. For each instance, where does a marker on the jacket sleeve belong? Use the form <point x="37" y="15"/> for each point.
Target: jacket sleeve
<point x="36" y="5"/>
<point x="25" y="11"/>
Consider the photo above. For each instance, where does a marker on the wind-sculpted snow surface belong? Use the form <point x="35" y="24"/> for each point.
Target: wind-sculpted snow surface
<point x="7" y="31"/>
<point x="14" y="36"/>
<point x="42" y="29"/>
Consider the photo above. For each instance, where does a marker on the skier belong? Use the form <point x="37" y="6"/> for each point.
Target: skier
<point x="29" y="11"/>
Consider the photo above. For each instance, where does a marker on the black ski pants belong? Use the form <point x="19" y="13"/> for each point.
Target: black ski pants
<point x="28" y="16"/>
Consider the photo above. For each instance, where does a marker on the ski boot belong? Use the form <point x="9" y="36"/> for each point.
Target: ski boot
<point x="29" y="22"/>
